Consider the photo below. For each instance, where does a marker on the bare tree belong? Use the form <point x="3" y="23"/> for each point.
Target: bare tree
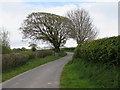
<point x="82" y="28"/>
<point x="48" y="27"/>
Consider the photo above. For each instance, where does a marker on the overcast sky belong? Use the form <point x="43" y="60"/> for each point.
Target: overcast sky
<point x="104" y="15"/>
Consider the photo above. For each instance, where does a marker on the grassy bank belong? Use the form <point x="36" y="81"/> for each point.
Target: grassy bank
<point x="29" y="65"/>
<point x="95" y="64"/>
<point x="82" y="74"/>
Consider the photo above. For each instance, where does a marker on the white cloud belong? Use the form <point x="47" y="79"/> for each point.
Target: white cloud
<point x="59" y="10"/>
<point x="13" y="13"/>
<point x="59" y="1"/>
<point x="71" y="43"/>
<point x="105" y="17"/>
<point x="101" y="0"/>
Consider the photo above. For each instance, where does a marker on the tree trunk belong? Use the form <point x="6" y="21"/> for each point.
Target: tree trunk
<point x="57" y="49"/>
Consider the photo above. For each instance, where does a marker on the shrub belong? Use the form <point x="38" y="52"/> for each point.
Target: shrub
<point x="104" y="50"/>
<point x="44" y="53"/>
<point x="17" y="50"/>
<point x="33" y="49"/>
<point x="61" y="53"/>
<point x="97" y="75"/>
<point x="68" y="49"/>
<point x="6" y="50"/>
<point x="30" y="54"/>
<point x="13" y="60"/>
<point x="38" y="54"/>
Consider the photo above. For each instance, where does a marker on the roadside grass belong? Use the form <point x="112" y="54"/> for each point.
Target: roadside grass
<point x="72" y="78"/>
<point x="81" y="74"/>
<point x="29" y="65"/>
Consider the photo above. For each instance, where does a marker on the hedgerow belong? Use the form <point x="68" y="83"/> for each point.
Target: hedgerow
<point x="104" y="50"/>
<point x="13" y="60"/>
<point x="29" y="53"/>
<point x="44" y="53"/>
<point x="5" y="50"/>
<point x="70" y="49"/>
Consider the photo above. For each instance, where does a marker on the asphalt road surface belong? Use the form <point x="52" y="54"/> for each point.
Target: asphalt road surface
<point x="44" y="76"/>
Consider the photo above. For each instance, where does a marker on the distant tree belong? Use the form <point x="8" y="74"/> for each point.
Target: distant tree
<point x="4" y="41"/>
<point x="48" y="27"/>
<point x="16" y="50"/>
<point x="33" y="47"/>
<point x="4" y="37"/>
<point x="82" y="26"/>
<point x="23" y="49"/>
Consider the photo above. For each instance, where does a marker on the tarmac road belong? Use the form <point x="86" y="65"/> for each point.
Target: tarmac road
<point x="44" y="76"/>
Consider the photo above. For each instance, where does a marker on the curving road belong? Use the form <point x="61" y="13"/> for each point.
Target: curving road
<point x="44" y="76"/>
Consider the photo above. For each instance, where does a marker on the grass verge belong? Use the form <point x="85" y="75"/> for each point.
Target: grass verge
<point x="29" y="65"/>
<point x="88" y="75"/>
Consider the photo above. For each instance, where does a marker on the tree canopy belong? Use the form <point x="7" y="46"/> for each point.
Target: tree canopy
<point x="82" y="27"/>
<point x="48" y="27"/>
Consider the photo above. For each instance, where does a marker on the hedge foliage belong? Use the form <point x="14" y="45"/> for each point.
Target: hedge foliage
<point x="106" y="50"/>
<point x="44" y="53"/>
<point x="69" y="49"/>
<point x="29" y="53"/>
<point x="5" y="50"/>
<point x="38" y="54"/>
<point x="13" y="60"/>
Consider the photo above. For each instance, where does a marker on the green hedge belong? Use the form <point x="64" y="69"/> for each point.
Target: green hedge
<point x="13" y="60"/>
<point x="6" y="50"/>
<point x="30" y="54"/>
<point x="38" y="54"/>
<point x="68" y="49"/>
<point x="102" y="50"/>
<point x="44" y="53"/>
